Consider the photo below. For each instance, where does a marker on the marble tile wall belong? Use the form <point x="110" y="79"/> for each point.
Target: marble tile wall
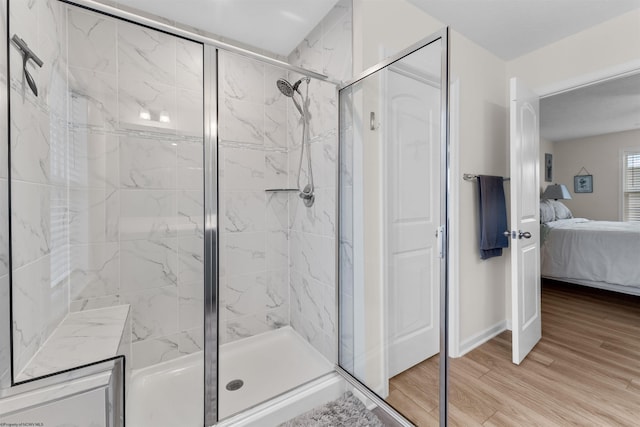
<point x="327" y="49"/>
<point x="254" y="257"/>
<point x="39" y="163"/>
<point x="107" y="202"/>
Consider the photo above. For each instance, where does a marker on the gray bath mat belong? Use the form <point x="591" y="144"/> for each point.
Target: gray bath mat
<point x="345" y="411"/>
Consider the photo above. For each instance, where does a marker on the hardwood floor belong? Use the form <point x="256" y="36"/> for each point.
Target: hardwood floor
<point x="585" y="371"/>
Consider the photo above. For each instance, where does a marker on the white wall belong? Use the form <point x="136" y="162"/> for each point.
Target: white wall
<point x="481" y="145"/>
<point x="601" y="156"/>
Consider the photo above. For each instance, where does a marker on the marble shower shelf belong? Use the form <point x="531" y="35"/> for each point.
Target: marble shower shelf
<point x="276" y="190"/>
<point x="81" y="338"/>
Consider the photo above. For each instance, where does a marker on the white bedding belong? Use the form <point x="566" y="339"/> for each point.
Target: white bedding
<point x="597" y="251"/>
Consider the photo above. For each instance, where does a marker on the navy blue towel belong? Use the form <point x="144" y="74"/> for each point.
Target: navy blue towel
<point x="493" y="216"/>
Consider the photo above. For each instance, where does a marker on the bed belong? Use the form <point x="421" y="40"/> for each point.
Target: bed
<point x="601" y="254"/>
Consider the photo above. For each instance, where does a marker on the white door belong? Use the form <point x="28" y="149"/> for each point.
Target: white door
<point x="412" y="200"/>
<point x="525" y="221"/>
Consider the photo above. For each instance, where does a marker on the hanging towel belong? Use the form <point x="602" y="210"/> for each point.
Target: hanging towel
<point x="493" y="216"/>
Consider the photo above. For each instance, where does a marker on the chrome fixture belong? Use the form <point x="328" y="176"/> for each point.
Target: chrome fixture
<point x="27" y="54"/>
<point x="289" y="90"/>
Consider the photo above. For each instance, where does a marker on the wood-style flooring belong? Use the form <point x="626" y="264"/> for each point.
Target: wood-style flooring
<point x="585" y="371"/>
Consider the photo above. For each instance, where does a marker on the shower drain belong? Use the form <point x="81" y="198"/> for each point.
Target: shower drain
<point x="234" y="385"/>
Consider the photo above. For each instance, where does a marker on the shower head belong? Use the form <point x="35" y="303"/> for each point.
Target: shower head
<point x="286" y="88"/>
<point x="289" y="89"/>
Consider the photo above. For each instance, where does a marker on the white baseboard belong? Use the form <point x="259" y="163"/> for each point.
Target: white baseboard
<point x="509" y="325"/>
<point x="482" y="337"/>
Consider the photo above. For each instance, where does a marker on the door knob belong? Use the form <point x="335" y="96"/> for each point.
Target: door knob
<point x="525" y="235"/>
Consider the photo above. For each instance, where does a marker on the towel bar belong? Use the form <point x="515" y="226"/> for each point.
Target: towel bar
<point x="472" y="177"/>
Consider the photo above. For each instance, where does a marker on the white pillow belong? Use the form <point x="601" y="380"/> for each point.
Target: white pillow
<point x="547" y="213"/>
<point x="562" y="212"/>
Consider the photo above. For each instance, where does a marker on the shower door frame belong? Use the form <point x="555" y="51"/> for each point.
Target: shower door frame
<point x="443" y="231"/>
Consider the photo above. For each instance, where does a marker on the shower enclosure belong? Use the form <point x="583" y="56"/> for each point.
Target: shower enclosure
<point x="174" y="214"/>
<point x="151" y="216"/>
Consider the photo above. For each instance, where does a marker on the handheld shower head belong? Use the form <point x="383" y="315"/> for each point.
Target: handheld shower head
<point x="289" y="89"/>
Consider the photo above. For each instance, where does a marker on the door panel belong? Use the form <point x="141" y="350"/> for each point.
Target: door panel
<point x="412" y="194"/>
<point x="525" y="254"/>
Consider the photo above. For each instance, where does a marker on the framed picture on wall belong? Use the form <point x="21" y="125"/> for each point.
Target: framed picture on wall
<point x="548" y="167"/>
<point x="583" y="184"/>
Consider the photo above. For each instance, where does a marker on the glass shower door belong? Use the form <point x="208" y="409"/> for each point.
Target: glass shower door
<point x="107" y="203"/>
<point x="391" y="212"/>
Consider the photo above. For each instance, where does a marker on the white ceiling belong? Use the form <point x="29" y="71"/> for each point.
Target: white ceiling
<point x="512" y="28"/>
<point x="276" y="26"/>
<point x="612" y="106"/>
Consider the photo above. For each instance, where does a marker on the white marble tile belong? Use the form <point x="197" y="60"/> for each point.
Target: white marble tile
<point x="151" y="351"/>
<point x="244" y="169"/>
<point x="276" y="169"/>
<point x="145" y="54"/>
<point x="272" y="95"/>
<point x="92" y="98"/>
<point x="245" y="253"/>
<point x="294" y="128"/>
<point x="275" y="127"/>
<point x="147" y="163"/>
<point x="148" y="264"/>
<point x="31" y="153"/>
<point x="190" y="175"/>
<point x="154" y="312"/>
<point x="307" y="300"/>
<point x="87" y="215"/>
<point x="92" y="41"/>
<point x="277" y="253"/>
<point x="277" y="211"/>
<point x="190" y="213"/>
<point x="244" y="327"/>
<point x="242" y="78"/>
<point x="52" y="49"/>
<point x="326" y="200"/>
<point x="190" y="259"/>
<point x="329" y="309"/>
<point x="148" y="214"/>
<point x="95" y="271"/>
<point x="93" y="159"/>
<point x="308" y="54"/>
<point x="191" y="341"/>
<point x="93" y="303"/>
<point x="190" y="305"/>
<point x="137" y="97"/>
<point x="189" y="65"/>
<point x="28" y="282"/>
<point x="241" y="121"/>
<point x="254" y="293"/>
<point x="311" y="255"/>
<point x="306" y="219"/>
<point x="112" y="209"/>
<point x="189" y="120"/>
<point x="82" y="338"/>
<point x="244" y="211"/>
<point x="31" y="237"/>
<point x="337" y="45"/>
